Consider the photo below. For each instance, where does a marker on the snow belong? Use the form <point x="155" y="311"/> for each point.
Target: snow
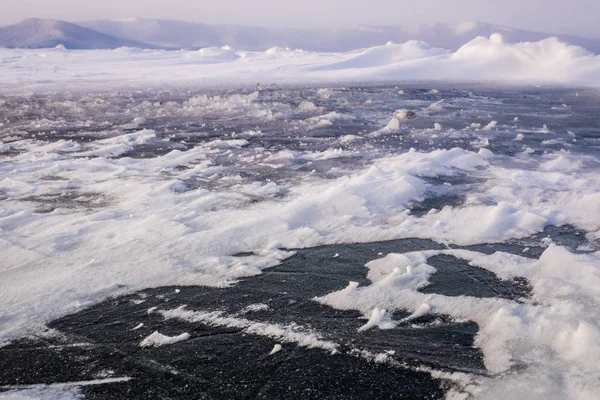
<point x="58" y="391"/>
<point x="290" y="333"/>
<point x="482" y="59"/>
<point x="157" y="339"/>
<point x="559" y="322"/>
<point x="154" y="233"/>
<point x="379" y="318"/>
<point x="255" y="308"/>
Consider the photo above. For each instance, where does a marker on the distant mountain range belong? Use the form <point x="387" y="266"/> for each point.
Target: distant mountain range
<point x="172" y="34"/>
<point x="43" y="33"/>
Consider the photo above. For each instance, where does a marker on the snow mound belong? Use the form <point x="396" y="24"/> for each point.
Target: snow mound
<point x="224" y="53"/>
<point x="388" y="54"/>
<point x="157" y="339"/>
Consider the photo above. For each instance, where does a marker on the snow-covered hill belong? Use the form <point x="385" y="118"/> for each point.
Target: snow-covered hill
<point x="43" y="33"/>
<point x="182" y="34"/>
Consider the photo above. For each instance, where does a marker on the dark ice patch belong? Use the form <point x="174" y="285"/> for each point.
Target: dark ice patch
<point x="227" y="362"/>
<point x="455" y="277"/>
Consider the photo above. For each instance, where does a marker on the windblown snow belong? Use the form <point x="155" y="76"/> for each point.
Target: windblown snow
<point x="108" y="192"/>
<point x="482" y="59"/>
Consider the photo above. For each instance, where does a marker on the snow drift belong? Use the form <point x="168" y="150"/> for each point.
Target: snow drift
<point x="482" y="59"/>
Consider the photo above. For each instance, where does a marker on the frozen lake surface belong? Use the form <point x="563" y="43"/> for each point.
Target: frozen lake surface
<point x="414" y="241"/>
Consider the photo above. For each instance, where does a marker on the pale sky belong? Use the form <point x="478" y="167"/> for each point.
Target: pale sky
<point x="554" y="16"/>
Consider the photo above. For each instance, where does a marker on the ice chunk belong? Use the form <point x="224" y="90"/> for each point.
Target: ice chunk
<point x="436" y="107"/>
<point x="490" y="126"/>
<point x="276" y="349"/>
<point x="307" y="107"/>
<point x="324" y="93"/>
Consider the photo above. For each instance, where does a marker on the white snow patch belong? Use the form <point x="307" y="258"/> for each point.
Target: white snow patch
<point x="291" y="333"/>
<point x="157" y="339"/>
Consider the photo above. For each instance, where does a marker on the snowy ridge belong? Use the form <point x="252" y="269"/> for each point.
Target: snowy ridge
<point x="482" y="59"/>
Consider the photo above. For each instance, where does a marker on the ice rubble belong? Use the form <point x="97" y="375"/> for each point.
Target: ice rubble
<point x="482" y="59"/>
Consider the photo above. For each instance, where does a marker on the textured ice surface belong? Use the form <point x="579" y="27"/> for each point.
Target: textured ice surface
<point x="109" y="192"/>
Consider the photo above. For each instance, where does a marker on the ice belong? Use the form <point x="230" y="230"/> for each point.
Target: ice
<point x="490" y="126"/>
<point x="227" y="144"/>
<point x="307" y="107"/>
<point x="395" y="123"/>
<point x="47" y="393"/>
<point x="350" y="138"/>
<point x="436" y="107"/>
<point x="276" y="349"/>
<point x="565" y="288"/>
<point x="58" y="391"/>
<point x="324" y="93"/>
<point x="157" y="339"/>
<point x="120" y="144"/>
<point x="245" y="172"/>
<point x="328" y="154"/>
